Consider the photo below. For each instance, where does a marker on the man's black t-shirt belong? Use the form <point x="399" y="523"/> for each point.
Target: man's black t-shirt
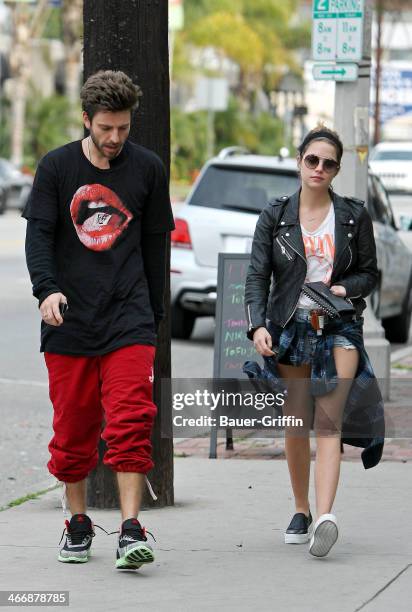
<point x="99" y="218"/>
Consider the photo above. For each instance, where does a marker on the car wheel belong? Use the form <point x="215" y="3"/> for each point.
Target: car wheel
<point x="3" y="200"/>
<point x="183" y="322"/>
<point x="397" y="328"/>
<point x="375" y="300"/>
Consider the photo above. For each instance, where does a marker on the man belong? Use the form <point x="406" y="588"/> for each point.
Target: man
<point x="97" y="224"/>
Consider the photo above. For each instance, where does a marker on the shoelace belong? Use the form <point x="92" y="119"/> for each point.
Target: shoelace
<point x="77" y="536"/>
<point x="132" y="532"/>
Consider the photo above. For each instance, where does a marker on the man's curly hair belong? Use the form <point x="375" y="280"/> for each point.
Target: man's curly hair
<point x="109" y="90"/>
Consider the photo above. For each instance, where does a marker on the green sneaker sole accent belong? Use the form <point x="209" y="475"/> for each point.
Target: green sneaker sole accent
<point x="135" y="558"/>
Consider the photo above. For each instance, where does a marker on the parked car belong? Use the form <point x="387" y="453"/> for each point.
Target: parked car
<point x="392" y="162"/>
<point x="3" y="197"/>
<point x="402" y="209"/>
<point x="220" y="215"/>
<point x="16" y="184"/>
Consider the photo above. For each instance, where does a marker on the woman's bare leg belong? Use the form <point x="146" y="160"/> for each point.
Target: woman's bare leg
<point x="328" y="424"/>
<point x="297" y="446"/>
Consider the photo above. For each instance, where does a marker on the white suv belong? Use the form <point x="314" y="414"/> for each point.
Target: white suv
<point x="392" y="162"/>
<point x="220" y="215"/>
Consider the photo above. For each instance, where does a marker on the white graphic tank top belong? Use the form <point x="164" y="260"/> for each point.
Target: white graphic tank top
<point x="320" y="253"/>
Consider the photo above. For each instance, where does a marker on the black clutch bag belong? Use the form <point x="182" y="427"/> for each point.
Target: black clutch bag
<point x="333" y="305"/>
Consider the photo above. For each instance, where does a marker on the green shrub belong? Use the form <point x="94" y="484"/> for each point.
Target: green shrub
<point x="260" y="133"/>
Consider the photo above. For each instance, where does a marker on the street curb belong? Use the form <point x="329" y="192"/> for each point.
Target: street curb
<point x="401" y="354"/>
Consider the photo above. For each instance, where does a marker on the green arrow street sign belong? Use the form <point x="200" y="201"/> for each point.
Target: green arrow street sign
<point x="342" y="71"/>
<point x="335" y="72"/>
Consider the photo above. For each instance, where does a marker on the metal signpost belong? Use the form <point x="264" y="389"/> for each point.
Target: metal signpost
<point x="342" y="43"/>
<point x="341" y="46"/>
<point x="212" y="94"/>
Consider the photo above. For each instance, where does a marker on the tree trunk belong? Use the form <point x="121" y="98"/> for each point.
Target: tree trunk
<point x="27" y="25"/>
<point x="72" y="22"/>
<point x="18" y="118"/>
<point x="132" y="36"/>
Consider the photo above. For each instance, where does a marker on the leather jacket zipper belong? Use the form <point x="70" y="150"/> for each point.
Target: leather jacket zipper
<point x="306" y="264"/>
<point x="350" y="260"/>
<point x="284" y="251"/>
<point x="250" y="318"/>
<point x="353" y="297"/>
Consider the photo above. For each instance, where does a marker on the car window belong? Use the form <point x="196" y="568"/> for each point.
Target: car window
<point x="241" y="188"/>
<point x="392" y="155"/>
<point x="379" y="205"/>
<point x="384" y="200"/>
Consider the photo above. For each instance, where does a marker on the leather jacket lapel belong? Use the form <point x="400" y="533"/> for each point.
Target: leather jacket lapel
<point x="345" y="224"/>
<point x="344" y="229"/>
<point x="289" y="226"/>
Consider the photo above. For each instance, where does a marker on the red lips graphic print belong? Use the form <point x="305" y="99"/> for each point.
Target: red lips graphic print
<point x="99" y="216"/>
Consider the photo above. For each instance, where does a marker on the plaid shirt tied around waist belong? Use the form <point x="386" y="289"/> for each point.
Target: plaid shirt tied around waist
<point x="363" y="422"/>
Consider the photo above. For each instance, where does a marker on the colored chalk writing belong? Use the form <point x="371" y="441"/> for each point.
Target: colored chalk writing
<point x="232" y="347"/>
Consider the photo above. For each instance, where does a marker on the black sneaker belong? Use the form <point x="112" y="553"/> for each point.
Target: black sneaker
<point x="79" y="534"/>
<point x="133" y="550"/>
<point x="299" y="530"/>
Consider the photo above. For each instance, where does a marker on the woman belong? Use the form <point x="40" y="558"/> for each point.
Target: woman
<point x="314" y="235"/>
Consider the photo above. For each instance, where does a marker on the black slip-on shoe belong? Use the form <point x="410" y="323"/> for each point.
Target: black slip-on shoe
<point x="299" y="530"/>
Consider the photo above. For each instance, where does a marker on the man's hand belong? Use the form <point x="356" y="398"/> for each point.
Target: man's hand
<point x="262" y="341"/>
<point x="338" y="290"/>
<point x="49" y="309"/>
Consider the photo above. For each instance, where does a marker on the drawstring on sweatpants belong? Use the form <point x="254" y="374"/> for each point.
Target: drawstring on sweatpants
<point x="64" y="498"/>
<point x="150" y="488"/>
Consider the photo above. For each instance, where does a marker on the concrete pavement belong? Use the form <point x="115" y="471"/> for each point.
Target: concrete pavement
<point x="221" y="546"/>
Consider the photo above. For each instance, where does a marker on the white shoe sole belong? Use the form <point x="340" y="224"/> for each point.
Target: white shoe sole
<point x="298" y="538"/>
<point x="324" y="536"/>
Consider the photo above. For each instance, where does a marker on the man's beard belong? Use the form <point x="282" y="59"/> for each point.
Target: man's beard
<point x="102" y="151"/>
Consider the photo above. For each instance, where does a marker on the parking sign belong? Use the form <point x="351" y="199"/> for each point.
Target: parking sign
<point x="337" y="33"/>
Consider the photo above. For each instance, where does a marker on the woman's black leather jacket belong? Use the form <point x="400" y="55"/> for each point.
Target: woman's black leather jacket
<point x="277" y="267"/>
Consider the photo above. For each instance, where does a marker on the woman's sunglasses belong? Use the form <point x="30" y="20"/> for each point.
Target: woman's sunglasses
<point x="329" y="165"/>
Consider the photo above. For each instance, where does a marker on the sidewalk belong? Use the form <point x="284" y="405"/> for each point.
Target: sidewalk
<point x="221" y="546"/>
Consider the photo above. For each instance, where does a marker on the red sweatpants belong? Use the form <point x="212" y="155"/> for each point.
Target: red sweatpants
<point x="117" y="386"/>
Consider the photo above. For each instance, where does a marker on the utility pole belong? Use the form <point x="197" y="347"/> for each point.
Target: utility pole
<point x="352" y="99"/>
<point x="352" y="119"/>
<point x="379" y="21"/>
<point x="132" y="36"/>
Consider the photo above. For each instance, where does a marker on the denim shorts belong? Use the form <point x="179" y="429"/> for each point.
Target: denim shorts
<point x="302" y="348"/>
